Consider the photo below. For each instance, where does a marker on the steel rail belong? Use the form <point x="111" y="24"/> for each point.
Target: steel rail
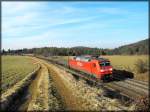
<point x="135" y="84"/>
<point x="140" y="82"/>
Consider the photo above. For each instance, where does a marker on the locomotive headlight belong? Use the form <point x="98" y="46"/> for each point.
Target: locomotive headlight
<point x="102" y="70"/>
<point x="110" y="69"/>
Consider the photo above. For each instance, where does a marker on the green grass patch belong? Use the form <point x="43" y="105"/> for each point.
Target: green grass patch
<point x="14" y="69"/>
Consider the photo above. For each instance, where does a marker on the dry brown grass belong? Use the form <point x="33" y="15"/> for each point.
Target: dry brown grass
<point x="142" y="76"/>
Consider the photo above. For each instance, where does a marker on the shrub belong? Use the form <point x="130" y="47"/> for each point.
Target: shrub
<point x="141" y="66"/>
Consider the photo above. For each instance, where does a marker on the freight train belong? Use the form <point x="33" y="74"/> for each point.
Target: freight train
<point x="96" y="66"/>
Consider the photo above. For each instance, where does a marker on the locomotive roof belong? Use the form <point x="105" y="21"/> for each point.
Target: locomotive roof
<point x="102" y="59"/>
<point x="89" y="58"/>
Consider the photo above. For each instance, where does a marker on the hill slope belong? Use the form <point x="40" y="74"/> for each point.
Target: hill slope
<point x="140" y="47"/>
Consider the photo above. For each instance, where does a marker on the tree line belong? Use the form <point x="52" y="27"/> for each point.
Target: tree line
<point x="141" y="47"/>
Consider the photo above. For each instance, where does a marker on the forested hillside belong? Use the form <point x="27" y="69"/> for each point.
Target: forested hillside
<point x="140" y="47"/>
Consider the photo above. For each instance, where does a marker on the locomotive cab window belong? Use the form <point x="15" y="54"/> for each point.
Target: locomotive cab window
<point x="105" y="64"/>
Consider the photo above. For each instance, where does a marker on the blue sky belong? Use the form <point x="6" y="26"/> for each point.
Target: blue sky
<point x="68" y="24"/>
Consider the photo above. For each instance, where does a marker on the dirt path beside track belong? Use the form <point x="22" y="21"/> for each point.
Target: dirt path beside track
<point x="39" y="91"/>
<point x="42" y="92"/>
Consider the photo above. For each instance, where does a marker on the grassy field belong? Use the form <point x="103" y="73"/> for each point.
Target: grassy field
<point x="128" y="63"/>
<point x="14" y="69"/>
<point x="125" y="62"/>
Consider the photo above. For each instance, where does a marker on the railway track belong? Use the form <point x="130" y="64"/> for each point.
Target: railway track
<point x="140" y="82"/>
<point x="133" y="85"/>
<point x="134" y="82"/>
<point x="129" y="87"/>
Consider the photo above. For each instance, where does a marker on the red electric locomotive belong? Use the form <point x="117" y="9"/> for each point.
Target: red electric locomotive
<point x="96" y="66"/>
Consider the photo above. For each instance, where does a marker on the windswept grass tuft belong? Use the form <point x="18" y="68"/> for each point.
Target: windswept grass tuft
<point x="141" y="66"/>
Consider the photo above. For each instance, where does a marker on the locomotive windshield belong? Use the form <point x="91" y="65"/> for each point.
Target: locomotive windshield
<point x="105" y="64"/>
